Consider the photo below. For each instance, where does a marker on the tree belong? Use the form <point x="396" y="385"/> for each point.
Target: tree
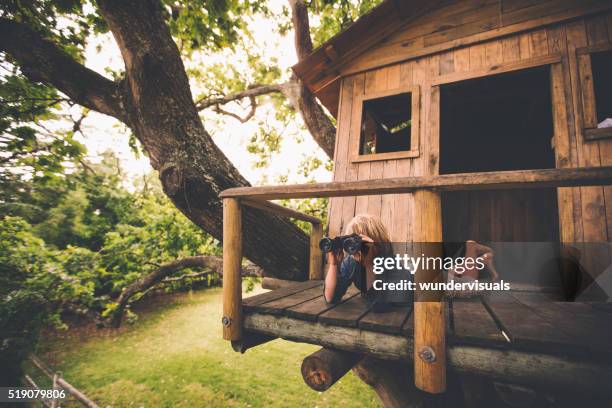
<point x="154" y="100"/>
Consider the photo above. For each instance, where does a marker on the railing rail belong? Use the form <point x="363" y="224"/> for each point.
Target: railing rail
<point x="541" y="178"/>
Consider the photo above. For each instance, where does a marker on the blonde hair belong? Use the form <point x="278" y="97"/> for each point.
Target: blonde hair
<point x="366" y="224"/>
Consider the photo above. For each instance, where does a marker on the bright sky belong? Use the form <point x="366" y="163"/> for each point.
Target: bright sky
<point x="104" y="133"/>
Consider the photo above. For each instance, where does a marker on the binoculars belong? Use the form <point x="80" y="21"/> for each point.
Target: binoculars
<point x="349" y="243"/>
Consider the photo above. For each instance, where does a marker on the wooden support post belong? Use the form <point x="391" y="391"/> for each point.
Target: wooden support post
<point x="232" y="282"/>
<point x="429" y="315"/>
<point x="323" y="368"/>
<point x="315" y="266"/>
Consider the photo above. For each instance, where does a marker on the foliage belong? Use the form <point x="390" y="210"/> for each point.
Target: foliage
<point x="335" y="16"/>
<point x="209" y="24"/>
<point x="25" y="142"/>
<point x="23" y="294"/>
<point x="87" y="239"/>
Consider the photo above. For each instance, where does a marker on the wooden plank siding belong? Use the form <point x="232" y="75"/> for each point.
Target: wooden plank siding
<point x="451" y="26"/>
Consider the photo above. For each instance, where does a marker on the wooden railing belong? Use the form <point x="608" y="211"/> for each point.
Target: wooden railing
<point x="429" y="317"/>
<point x="232" y="256"/>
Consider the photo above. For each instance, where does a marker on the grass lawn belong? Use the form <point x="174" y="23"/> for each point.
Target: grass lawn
<point x="173" y="356"/>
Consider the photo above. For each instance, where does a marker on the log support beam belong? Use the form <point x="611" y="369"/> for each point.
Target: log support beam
<point x="324" y="367"/>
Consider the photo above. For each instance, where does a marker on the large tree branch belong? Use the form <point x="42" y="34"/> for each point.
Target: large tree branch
<point x="301" y="26"/>
<point x="156" y="102"/>
<point x="193" y="170"/>
<point x="43" y="61"/>
<point x="315" y="118"/>
<point x="212" y="263"/>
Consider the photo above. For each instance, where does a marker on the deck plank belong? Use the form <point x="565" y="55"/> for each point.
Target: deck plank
<point x="474" y="325"/>
<point x="347" y="313"/>
<point x="388" y="322"/>
<point x="311" y="309"/>
<point x="528" y="330"/>
<point x="278" y="306"/>
<point x="586" y="327"/>
<point x="278" y="293"/>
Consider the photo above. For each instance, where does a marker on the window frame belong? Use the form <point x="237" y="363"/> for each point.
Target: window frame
<point x="586" y="86"/>
<point x="415" y="96"/>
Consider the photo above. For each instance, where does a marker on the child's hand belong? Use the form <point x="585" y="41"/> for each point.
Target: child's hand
<point x="369" y="256"/>
<point x="366" y="238"/>
<point x="335" y="258"/>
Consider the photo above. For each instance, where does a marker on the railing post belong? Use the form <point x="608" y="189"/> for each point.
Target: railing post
<point x="429" y="313"/>
<point x="232" y="258"/>
<point x="315" y="270"/>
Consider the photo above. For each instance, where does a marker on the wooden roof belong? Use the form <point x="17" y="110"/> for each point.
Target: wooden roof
<point x="318" y="71"/>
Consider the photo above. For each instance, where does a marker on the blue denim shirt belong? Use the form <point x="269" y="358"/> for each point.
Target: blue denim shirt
<point x="350" y="272"/>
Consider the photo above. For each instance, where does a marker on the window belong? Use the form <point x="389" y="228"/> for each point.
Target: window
<point x="388" y="125"/>
<point x="497" y="123"/>
<point x="595" y="69"/>
<point x="385" y="124"/>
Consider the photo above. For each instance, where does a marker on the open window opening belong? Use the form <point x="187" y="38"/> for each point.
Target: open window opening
<point x="498" y="123"/>
<point x="601" y="65"/>
<point x="386" y="124"/>
<point x="501" y="122"/>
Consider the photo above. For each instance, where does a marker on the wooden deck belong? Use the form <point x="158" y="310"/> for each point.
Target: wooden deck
<point x="520" y="336"/>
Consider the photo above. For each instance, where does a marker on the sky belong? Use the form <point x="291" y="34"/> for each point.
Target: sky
<point x="103" y="133"/>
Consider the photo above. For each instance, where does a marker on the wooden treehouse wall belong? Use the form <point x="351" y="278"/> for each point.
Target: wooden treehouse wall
<point x="585" y="214"/>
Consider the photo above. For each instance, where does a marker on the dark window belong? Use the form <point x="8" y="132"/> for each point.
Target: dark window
<point x="501" y="122"/>
<point x="386" y="124"/>
<point x="601" y="63"/>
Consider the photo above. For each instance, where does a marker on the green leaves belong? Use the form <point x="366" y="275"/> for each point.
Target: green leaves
<point x="209" y="24"/>
<point x="29" y="147"/>
<point x="335" y="16"/>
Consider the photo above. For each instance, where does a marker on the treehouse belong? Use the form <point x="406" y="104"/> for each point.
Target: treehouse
<point x="488" y="120"/>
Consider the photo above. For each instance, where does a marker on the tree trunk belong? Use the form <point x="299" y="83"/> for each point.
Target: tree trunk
<point x="393" y="382"/>
<point x="193" y="170"/>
